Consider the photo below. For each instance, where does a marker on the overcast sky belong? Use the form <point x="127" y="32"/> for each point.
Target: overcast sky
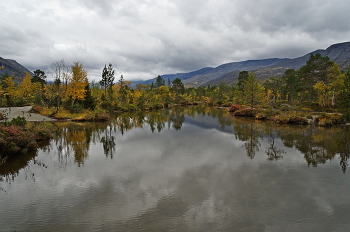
<point x="146" y="38"/>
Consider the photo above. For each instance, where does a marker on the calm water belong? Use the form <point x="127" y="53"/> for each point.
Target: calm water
<point x="184" y="169"/>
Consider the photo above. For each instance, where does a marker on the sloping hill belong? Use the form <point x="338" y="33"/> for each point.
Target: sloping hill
<point x="217" y="72"/>
<point x="339" y="53"/>
<point x="13" y="68"/>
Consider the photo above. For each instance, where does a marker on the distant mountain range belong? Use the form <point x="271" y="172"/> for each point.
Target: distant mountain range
<point x="12" y="68"/>
<point x="228" y="73"/>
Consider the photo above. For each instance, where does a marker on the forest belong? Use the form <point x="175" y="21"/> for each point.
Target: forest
<point x="318" y="92"/>
<point x="319" y="85"/>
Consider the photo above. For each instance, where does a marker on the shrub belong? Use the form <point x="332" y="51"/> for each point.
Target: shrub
<point x="285" y="107"/>
<point x="267" y="114"/>
<point x="106" y="105"/>
<point x="235" y="107"/>
<point x="41" y="131"/>
<point x="19" y="121"/>
<point x="100" y="116"/>
<point x="75" y="108"/>
<point x="251" y="112"/>
<point x="14" y="139"/>
<point x="36" y="109"/>
<point x="292" y="119"/>
<point x="330" y="119"/>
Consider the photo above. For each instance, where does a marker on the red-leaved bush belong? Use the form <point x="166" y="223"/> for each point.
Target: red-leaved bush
<point x="14" y="139"/>
<point x="36" y="109"/>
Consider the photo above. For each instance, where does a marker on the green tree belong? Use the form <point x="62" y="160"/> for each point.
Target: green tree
<point x="273" y="86"/>
<point x="107" y="77"/>
<point x="178" y="87"/>
<point x="159" y="82"/>
<point x="122" y="88"/>
<point x="89" y="100"/>
<point x="315" y="70"/>
<point x="254" y="91"/>
<point x="39" y="76"/>
<point x="344" y="97"/>
<point x="291" y="84"/>
<point x="239" y="89"/>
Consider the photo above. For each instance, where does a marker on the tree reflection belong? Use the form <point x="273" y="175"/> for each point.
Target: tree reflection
<point x="108" y="143"/>
<point x="73" y="141"/>
<point x="177" y="117"/>
<point x="317" y="144"/>
<point x="273" y="152"/>
<point x="250" y="133"/>
<point x="10" y="169"/>
<point x="344" y="148"/>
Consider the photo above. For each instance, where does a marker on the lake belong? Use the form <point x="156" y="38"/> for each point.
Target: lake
<point x="180" y="169"/>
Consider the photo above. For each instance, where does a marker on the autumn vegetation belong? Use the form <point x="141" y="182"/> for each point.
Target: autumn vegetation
<point x="318" y="86"/>
<point x="318" y="92"/>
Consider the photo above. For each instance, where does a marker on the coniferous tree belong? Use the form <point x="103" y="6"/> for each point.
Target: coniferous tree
<point x="291" y="84"/>
<point x="159" y="82"/>
<point x="253" y="89"/>
<point x="39" y="76"/>
<point x="89" y="101"/>
<point x="107" y="77"/>
<point x="178" y="87"/>
<point x="344" y="97"/>
<point x="315" y="69"/>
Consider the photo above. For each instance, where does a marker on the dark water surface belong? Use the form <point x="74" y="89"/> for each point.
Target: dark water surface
<point x="182" y="169"/>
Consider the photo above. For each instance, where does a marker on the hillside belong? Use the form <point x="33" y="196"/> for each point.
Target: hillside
<point x="217" y="72"/>
<point x="339" y="53"/>
<point x="228" y="73"/>
<point x="12" y="68"/>
<point x="171" y="77"/>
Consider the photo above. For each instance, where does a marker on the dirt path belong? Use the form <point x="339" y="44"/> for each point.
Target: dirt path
<point x="14" y="112"/>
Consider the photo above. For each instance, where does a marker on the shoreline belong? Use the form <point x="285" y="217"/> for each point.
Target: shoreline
<point x="23" y="111"/>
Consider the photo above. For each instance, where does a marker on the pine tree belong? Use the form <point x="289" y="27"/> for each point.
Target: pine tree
<point x="253" y="89"/>
<point x="344" y="97"/>
<point x="107" y="77"/>
<point x="159" y="82"/>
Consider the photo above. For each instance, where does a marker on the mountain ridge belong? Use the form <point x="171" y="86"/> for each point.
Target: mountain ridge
<point x="264" y="68"/>
<point x="339" y="53"/>
<point x="13" y="68"/>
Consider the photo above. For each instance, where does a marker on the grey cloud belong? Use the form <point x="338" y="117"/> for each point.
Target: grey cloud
<point x="146" y="38"/>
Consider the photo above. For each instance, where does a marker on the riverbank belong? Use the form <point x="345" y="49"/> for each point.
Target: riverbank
<point x="289" y="116"/>
<point x="13" y="112"/>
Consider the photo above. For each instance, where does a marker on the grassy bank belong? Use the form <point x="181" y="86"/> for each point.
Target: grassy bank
<point x="289" y="115"/>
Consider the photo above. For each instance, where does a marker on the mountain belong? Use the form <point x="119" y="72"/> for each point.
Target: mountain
<point x="217" y="72"/>
<point x="228" y="73"/>
<point x="339" y="53"/>
<point x="13" y="68"/>
<point x="171" y="77"/>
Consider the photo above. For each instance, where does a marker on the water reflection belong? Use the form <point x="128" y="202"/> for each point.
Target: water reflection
<point x="318" y="145"/>
<point x="180" y="169"/>
<point x="14" y="164"/>
<point x="251" y="134"/>
<point x="72" y="141"/>
<point x="108" y="142"/>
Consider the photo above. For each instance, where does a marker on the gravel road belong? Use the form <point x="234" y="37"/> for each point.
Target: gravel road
<point x="13" y="112"/>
